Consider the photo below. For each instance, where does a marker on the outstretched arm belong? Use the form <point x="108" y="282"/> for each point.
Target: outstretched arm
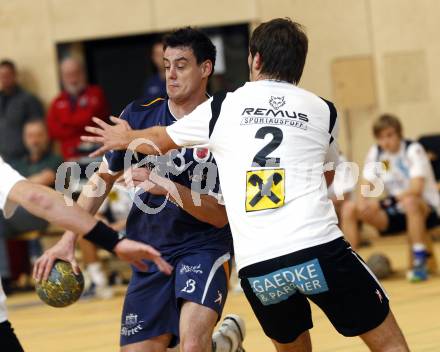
<point x="48" y="204"/>
<point x="44" y="202"/>
<point x="150" y="141"/>
<point x="194" y="129"/>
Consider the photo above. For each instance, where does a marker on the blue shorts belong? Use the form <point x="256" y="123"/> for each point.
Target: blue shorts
<point x="153" y="300"/>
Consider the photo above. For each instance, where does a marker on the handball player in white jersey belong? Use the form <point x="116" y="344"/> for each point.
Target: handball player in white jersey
<point x="271" y="140"/>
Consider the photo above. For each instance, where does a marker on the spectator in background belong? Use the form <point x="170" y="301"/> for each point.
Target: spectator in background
<point x="412" y="203"/>
<point x="39" y="165"/>
<point x="16" y="107"/>
<point x="155" y="85"/>
<point x="74" y="108"/>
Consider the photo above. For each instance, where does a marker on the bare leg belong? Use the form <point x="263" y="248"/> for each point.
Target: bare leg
<point x="302" y="344"/>
<point x="416" y="211"/>
<point x="387" y="337"/>
<point x="156" y="344"/>
<point x="368" y="211"/>
<point x="349" y="223"/>
<point x="196" y="326"/>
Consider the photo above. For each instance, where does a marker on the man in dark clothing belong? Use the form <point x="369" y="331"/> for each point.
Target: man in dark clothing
<point x="16" y="107"/>
<point x="39" y="165"/>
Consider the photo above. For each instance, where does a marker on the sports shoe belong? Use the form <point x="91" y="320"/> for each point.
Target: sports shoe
<point x="233" y="328"/>
<point x="100" y="292"/>
<point x="417" y="274"/>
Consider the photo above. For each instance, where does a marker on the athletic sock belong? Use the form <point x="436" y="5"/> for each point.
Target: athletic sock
<point x="97" y="274"/>
<point x="420" y="255"/>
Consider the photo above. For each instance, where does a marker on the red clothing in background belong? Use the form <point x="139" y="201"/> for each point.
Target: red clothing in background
<point x="68" y="116"/>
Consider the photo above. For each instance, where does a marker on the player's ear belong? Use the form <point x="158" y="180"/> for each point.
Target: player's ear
<point x="206" y="68"/>
<point x="257" y="62"/>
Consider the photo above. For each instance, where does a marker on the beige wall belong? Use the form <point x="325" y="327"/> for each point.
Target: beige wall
<point x="397" y="34"/>
<point x="26" y="37"/>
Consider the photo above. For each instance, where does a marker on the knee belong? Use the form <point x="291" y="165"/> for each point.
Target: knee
<point x="349" y="210"/>
<point x="192" y="344"/>
<point x="411" y="204"/>
<point x="365" y="211"/>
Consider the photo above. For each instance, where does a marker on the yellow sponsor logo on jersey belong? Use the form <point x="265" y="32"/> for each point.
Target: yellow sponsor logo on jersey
<point x="264" y="189"/>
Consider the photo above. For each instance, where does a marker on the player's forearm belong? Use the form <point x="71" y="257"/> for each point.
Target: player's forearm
<point x="45" y="203"/>
<point x="150" y="141"/>
<point x="92" y="196"/>
<point x="209" y="210"/>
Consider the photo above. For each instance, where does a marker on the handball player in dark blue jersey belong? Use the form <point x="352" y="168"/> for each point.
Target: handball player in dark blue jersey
<point x="179" y="211"/>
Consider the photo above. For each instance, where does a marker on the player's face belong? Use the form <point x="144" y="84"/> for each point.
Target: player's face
<point x="389" y="140"/>
<point x="184" y="76"/>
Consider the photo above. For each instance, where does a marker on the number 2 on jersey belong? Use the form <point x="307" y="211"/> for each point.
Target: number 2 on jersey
<point x="261" y="158"/>
<point x="265" y="188"/>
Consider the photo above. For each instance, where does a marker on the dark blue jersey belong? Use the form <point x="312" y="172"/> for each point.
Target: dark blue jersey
<point x="155" y="86"/>
<point x="162" y="223"/>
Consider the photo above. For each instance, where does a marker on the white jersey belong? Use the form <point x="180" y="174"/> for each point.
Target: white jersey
<point x="8" y="178"/>
<point x="3" y="311"/>
<point x="270" y="140"/>
<point x="399" y="168"/>
<point x="344" y="181"/>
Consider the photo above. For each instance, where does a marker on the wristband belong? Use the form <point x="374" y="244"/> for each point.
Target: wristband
<point x="103" y="236"/>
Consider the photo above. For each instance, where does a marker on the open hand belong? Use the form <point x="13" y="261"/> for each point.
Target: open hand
<point x="112" y="137"/>
<point x="64" y="249"/>
<point x="135" y="252"/>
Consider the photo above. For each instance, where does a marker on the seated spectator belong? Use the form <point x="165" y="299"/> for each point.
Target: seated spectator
<point x="16" y="107"/>
<point x="39" y="166"/>
<point x="74" y="108"/>
<point x="412" y="201"/>
<point x="155" y="86"/>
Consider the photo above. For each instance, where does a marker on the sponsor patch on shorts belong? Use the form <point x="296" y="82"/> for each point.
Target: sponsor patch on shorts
<point x="279" y="285"/>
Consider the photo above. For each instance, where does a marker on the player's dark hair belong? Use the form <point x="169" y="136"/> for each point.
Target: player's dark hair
<point x="385" y="121"/>
<point x="282" y="45"/>
<point x="193" y="38"/>
<point x="9" y="64"/>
